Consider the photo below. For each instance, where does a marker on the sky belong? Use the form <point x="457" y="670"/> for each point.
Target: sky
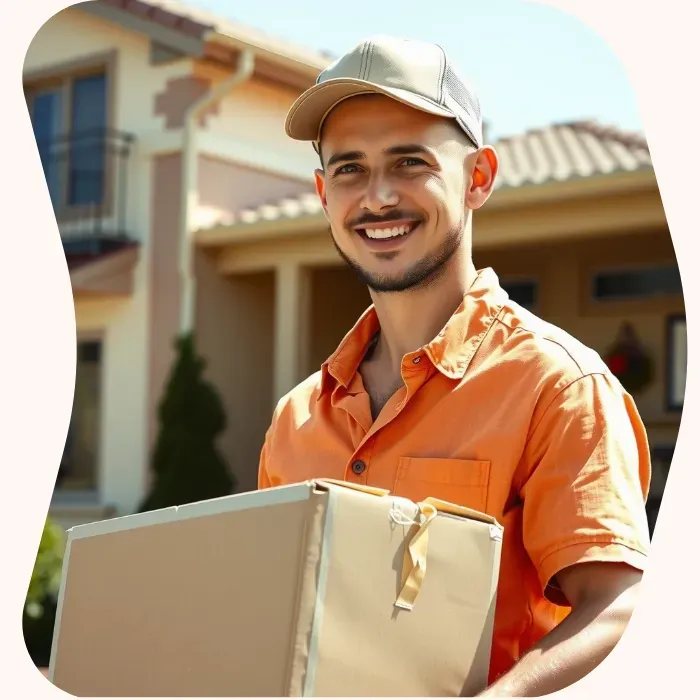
<point x="532" y="65"/>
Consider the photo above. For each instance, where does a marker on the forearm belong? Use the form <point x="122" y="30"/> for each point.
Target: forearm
<point x="568" y="653"/>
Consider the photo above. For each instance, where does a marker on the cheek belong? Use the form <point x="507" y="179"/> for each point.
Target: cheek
<point x="339" y="202"/>
<point x="336" y="212"/>
<point x="441" y="198"/>
<point x="454" y="196"/>
<point x="339" y="211"/>
<point x="427" y="193"/>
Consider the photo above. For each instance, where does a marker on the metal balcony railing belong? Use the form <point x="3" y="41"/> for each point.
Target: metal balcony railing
<point x="87" y="177"/>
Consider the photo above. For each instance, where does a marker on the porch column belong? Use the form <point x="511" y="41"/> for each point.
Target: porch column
<point x="292" y="296"/>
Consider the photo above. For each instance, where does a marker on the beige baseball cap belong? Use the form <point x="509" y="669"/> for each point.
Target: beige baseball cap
<point x="416" y="73"/>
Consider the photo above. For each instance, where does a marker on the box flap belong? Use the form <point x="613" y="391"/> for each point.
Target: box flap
<point x="462" y="511"/>
<point x="443" y="507"/>
<point x="279" y="495"/>
<point x="363" y="488"/>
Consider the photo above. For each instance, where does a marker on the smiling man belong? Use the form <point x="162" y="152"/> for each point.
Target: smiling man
<point x="446" y="388"/>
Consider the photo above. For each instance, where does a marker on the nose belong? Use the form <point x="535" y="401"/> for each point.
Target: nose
<point x="380" y="193"/>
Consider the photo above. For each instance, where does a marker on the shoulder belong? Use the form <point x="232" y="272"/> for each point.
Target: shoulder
<point x="296" y="406"/>
<point x="544" y="365"/>
<point x="544" y="349"/>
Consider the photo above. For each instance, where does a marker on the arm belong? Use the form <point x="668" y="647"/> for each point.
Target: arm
<point x="584" y="480"/>
<point x="602" y="598"/>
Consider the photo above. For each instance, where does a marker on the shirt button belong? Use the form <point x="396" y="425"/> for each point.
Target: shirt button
<point x="358" y="467"/>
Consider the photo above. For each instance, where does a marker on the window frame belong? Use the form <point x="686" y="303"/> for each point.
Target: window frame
<point x="90" y="497"/>
<point x="632" y="268"/>
<point x="673" y="404"/>
<point x="525" y="278"/>
<point x="592" y="306"/>
<point x="63" y="76"/>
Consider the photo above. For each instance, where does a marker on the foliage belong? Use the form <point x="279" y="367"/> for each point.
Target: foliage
<point x="39" y="613"/>
<point x="187" y="465"/>
<point x="46" y="576"/>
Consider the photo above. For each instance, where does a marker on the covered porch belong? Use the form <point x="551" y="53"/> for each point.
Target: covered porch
<point x="275" y="299"/>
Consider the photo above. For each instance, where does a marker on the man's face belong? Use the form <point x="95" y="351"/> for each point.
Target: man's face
<point x="395" y="188"/>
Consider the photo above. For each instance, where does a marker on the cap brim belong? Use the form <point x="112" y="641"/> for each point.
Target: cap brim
<point x="307" y="114"/>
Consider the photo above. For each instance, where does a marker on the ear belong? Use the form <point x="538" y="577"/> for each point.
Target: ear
<point x="320" y="181"/>
<point x="484" y="168"/>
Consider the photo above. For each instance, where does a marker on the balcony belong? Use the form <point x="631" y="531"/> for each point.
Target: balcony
<point x="87" y="177"/>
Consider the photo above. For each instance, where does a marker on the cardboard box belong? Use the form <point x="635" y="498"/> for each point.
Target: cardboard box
<point x="314" y="589"/>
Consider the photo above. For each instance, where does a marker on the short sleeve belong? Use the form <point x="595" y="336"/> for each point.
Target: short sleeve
<point x="588" y="475"/>
<point x="264" y="481"/>
<point x="263" y="478"/>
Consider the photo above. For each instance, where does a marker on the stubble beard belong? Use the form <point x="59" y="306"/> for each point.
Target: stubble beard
<point x="420" y="275"/>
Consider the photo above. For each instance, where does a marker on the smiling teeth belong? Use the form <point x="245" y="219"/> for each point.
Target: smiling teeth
<point x="387" y="232"/>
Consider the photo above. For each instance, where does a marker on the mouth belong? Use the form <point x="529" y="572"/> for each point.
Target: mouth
<point x="388" y="232"/>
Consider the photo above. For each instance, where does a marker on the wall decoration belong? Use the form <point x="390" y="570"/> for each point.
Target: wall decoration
<point x="629" y="361"/>
<point x="676" y="361"/>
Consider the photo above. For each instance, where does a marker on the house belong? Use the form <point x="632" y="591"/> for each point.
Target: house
<point x="151" y="120"/>
<point x="181" y="203"/>
<point x="575" y="230"/>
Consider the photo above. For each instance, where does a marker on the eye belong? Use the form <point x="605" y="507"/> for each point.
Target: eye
<point x="346" y="169"/>
<point x="412" y="161"/>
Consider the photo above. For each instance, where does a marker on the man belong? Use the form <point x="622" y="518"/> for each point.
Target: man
<point x="446" y="388"/>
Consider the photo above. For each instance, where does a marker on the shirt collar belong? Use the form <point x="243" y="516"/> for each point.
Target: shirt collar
<point x="450" y="351"/>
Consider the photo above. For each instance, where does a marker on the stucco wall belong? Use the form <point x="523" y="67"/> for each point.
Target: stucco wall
<point x="67" y="38"/>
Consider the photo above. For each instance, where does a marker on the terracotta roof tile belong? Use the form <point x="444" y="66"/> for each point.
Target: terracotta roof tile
<point x="556" y="153"/>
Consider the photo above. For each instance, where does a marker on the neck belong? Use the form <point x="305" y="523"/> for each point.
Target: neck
<point x="411" y="319"/>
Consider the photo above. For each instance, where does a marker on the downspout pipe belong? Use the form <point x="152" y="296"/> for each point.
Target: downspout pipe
<point x="189" y="183"/>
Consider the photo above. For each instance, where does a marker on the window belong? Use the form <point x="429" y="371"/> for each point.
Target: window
<point x="79" y="465"/>
<point x="88" y="123"/>
<point x="677" y="361"/>
<point x="661" y="456"/>
<point x="69" y="117"/>
<point x="637" y="283"/>
<point x="523" y="292"/>
<point x="47" y="120"/>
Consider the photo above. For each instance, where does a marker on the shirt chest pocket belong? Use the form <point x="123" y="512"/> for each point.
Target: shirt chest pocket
<point x="461" y="481"/>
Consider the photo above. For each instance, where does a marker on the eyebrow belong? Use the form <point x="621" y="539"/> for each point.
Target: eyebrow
<point x="407" y="149"/>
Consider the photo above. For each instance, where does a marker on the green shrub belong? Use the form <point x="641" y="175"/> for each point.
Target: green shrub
<point x="40" y="604"/>
<point x="187" y="465"/>
<point x="46" y="576"/>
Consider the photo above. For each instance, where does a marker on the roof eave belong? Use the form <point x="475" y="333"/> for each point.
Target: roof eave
<point x="507" y="198"/>
<point x="303" y="65"/>
<point x="576" y="187"/>
<point x="296" y="68"/>
<point x="189" y="44"/>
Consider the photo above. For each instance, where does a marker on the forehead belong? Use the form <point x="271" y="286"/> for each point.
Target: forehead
<point x="375" y="120"/>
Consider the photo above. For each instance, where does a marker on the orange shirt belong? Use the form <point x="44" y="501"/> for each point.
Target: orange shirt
<point x="501" y="412"/>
